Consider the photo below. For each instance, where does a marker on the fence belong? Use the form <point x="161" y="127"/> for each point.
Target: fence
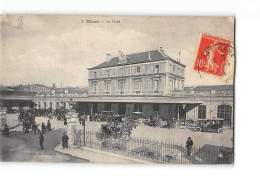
<point x="157" y="151"/>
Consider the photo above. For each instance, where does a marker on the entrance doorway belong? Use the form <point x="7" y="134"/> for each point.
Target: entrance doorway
<point x="107" y="106"/>
<point x="138" y="107"/>
<point x="225" y="112"/>
<point x="121" y="108"/>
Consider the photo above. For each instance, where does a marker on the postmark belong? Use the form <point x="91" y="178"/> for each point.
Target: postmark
<point x="215" y="56"/>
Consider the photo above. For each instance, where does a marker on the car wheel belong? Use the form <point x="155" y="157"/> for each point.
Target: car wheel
<point x="198" y="129"/>
<point x="220" y="130"/>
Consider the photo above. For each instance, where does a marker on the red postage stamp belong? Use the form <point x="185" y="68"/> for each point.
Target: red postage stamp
<point x="212" y="55"/>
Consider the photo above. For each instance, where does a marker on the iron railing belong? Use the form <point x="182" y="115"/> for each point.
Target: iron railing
<point x="156" y="151"/>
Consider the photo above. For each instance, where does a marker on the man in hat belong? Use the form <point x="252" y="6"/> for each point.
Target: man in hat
<point x="43" y="128"/>
<point x="65" y="140"/>
<point x="41" y="137"/>
<point x="189" y="144"/>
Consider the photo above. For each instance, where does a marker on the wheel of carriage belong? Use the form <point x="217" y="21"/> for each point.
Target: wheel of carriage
<point x="220" y="130"/>
<point x="99" y="135"/>
<point x="198" y="129"/>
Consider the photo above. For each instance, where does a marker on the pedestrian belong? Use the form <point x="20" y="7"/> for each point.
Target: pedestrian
<point x="65" y="120"/>
<point x="41" y="140"/>
<point x="49" y="125"/>
<point x="65" y="140"/>
<point x="189" y="144"/>
<point x="43" y="128"/>
<point x="6" y="130"/>
<point x="80" y="119"/>
<point x="34" y="127"/>
<point x="26" y="127"/>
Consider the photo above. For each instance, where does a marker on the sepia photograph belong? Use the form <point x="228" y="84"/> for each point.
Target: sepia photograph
<point x="113" y="89"/>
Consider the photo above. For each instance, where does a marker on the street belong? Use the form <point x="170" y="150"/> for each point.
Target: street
<point x="25" y="147"/>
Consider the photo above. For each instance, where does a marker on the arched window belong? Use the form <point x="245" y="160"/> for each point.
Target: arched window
<point x="225" y="112"/>
<point x="202" y="112"/>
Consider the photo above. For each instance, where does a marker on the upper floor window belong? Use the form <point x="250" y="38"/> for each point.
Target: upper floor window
<point x="95" y="87"/>
<point x="138" y="70"/>
<point x="50" y="104"/>
<point x="122" y="72"/>
<point x="173" y="84"/>
<point x="157" y="69"/>
<point x="121" y="86"/>
<point x="107" y="73"/>
<point x="156" y="85"/>
<point x="107" y="86"/>
<point x="138" y="85"/>
<point x="95" y="74"/>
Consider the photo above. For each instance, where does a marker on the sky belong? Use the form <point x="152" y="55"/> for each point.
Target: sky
<point x="58" y="49"/>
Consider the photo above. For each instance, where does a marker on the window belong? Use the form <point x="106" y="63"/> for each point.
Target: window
<point x="39" y="105"/>
<point x="122" y="72"/>
<point x="121" y="86"/>
<point x="95" y="87"/>
<point x="44" y="105"/>
<point x="57" y="105"/>
<point x="173" y="84"/>
<point x="95" y="75"/>
<point x="138" y="70"/>
<point x="64" y="105"/>
<point x="138" y="86"/>
<point x="156" y="85"/>
<point x="107" y="86"/>
<point x="182" y="72"/>
<point x="107" y="73"/>
<point x="51" y="104"/>
<point x="182" y="85"/>
<point x="225" y="112"/>
<point x="173" y="67"/>
<point x="202" y="112"/>
<point x="157" y="69"/>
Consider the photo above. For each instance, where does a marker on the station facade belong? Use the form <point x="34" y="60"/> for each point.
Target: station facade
<point x="153" y="83"/>
<point x="150" y="82"/>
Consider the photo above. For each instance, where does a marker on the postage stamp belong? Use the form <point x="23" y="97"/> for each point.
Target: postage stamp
<point x="212" y="56"/>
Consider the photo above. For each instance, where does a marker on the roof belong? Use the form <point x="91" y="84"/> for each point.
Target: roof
<point x="209" y="88"/>
<point x="6" y="89"/>
<point x="155" y="55"/>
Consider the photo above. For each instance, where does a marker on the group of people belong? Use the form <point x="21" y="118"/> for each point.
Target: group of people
<point x="64" y="139"/>
<point x="45" y="128"/>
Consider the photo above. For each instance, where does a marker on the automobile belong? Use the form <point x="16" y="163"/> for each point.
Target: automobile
<point x="209" y="125"/>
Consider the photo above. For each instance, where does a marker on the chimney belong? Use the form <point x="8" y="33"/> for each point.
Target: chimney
<point x="108" y="57"/>
<point x="149" y="56"/>
<point x="161" y="50"/>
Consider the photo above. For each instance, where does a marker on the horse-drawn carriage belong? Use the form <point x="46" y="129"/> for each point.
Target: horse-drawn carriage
<point x="108" y="130"/>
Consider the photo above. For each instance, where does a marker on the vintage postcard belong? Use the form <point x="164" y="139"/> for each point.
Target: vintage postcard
<point x="117" y="89"/>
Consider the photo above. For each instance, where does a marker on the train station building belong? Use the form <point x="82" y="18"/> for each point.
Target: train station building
<point x="150" y="82"/>
<point x="153" y="83"/>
